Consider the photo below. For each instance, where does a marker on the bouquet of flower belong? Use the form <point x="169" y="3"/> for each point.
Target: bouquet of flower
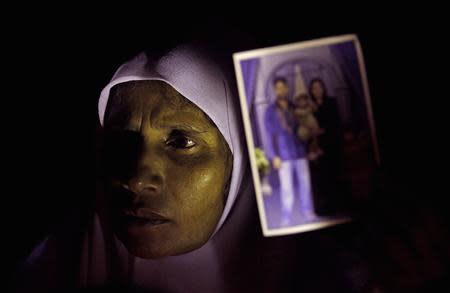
<point x="262" y="163"/>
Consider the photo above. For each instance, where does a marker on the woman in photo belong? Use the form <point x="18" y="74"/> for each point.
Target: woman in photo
<point x="326" y="171"/>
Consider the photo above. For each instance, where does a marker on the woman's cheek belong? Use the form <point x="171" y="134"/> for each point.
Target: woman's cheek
<point x="198" y="201"/>
<point x="197" y="180"/>
<point x="201" y="183"/>
<point x="198" y="184"/>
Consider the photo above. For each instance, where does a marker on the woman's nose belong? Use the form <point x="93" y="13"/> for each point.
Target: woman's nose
<point x="145" y="182"/>
<point x="147" y="175"/>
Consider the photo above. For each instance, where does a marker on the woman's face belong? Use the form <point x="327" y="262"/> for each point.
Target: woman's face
<point x="317" y="90"/>
<point x="167" y="169"/>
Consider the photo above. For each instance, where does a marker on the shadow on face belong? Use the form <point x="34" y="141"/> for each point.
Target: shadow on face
<point x="167" y="169"/>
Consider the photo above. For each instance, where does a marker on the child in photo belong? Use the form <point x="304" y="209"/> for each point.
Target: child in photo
<point x="308" y="129"/>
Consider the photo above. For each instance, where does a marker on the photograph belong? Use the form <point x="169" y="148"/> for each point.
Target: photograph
<point x="310" y="132"/>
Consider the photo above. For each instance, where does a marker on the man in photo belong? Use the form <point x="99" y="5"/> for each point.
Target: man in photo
<point x="288" y="154"/>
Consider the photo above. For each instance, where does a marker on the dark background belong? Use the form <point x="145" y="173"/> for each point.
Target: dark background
<point x="57" y="66"/>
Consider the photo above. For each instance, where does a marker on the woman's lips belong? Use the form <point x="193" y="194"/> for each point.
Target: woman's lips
<point x="142" y="217"/>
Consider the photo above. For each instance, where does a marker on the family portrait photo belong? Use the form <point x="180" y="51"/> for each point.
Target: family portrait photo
<point x="310" y="132"/>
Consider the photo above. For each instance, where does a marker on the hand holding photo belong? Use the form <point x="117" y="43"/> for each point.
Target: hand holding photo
<point x="310" y="131"/>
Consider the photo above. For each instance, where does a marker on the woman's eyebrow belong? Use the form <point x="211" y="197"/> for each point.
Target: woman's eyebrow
<point x="182" y="126"/>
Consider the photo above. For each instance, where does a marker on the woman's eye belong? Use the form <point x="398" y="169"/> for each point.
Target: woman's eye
<point x="180" y="142"/>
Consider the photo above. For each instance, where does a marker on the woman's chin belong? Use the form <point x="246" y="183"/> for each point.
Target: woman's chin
<point x="155" y="251"/>
<point x="147" y="252"/>
<point x="151" y="248"/>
